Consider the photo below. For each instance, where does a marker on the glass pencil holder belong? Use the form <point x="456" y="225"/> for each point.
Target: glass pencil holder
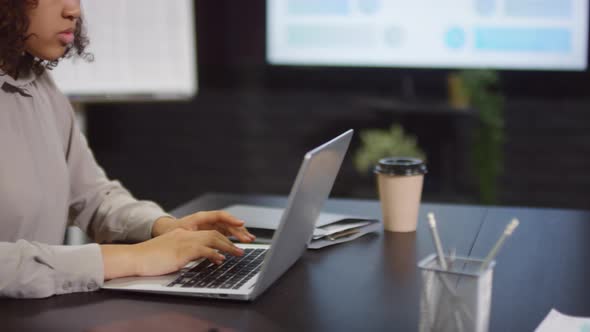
<point x="458" y="298"/>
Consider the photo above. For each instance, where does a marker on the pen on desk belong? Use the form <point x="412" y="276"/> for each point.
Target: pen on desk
<point x="437" y="244"/>
<point x="507" y="232"/>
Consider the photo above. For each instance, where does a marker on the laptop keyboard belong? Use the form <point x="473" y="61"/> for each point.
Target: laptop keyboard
<point x="232" y="274"/>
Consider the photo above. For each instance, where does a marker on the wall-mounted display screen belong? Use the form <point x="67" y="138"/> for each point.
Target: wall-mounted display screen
<point x="142" y="49"/>
<point x="500" y="34"/>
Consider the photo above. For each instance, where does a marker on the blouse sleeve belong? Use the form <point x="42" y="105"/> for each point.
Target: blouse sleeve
<point x="36" y="270"/>
<point x="102" y="208"/>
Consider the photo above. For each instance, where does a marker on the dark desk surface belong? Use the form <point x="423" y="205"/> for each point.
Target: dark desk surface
<point x="370" y="283"/>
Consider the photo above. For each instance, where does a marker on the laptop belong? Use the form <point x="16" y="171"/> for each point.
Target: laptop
<point x="245" y="278"/>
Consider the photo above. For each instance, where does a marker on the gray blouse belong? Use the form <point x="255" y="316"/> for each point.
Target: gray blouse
<point x="49" y="179"/>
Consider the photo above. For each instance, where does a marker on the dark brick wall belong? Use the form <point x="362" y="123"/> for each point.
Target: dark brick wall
<point x="253" y="143"/>
<point x="548" y="154"/>
<point x="220" y="142"/>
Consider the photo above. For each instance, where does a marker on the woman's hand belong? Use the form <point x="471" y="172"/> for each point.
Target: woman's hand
<point x="220" y="221"/>
<point x="165" y="254"/>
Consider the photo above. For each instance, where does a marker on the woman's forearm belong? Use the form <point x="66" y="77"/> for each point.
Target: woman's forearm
<point x="118" y="261"/>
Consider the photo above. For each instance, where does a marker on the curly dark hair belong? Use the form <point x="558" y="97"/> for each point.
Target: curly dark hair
<point x="14" y="24"/>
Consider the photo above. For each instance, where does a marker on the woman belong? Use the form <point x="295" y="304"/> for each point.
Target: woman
<point x="49" y="178"/>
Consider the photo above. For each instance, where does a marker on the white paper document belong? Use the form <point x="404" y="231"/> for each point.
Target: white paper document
<point x="331" y="228"/>
<point x="558" y="322"/>
<point x="269" y="218"/>
<point x="337" y="228"/>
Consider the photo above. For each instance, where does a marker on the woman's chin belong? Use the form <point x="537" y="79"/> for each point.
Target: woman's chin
<point x="52" y="54"/>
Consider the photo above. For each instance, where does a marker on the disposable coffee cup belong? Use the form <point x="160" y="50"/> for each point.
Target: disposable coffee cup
<point x="399" y="181"/>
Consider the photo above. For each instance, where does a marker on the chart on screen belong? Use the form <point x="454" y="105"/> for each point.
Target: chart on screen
<point x="501" y="34"/>
<point x="141" y="48"/>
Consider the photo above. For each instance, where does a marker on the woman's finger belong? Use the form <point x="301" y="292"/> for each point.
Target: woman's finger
<point x="210" y="220"/>
<point x="223" y="222"/>
<point x="235" y="226"/>
<point x="225" y="231"/>
<point x="222" y="243"/>
<point x="210" y="254"/>
<point x="226" y="218"/>
<point x="241" y="234"/>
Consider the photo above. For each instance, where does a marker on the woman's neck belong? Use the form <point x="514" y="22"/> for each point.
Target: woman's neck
<point x="5" y="72"/>
<point x="14" y="72"/>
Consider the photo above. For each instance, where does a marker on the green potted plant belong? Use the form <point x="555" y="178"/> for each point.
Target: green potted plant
<point x="482" y="93"/>
<point x="380" y="143"/>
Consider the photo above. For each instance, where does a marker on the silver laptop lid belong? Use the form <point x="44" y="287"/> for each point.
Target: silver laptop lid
<point x="309" y="192"/>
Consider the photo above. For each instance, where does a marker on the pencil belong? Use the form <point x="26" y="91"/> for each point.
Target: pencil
<point x="507" y="232"/>
<point x="437" y="243"/>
